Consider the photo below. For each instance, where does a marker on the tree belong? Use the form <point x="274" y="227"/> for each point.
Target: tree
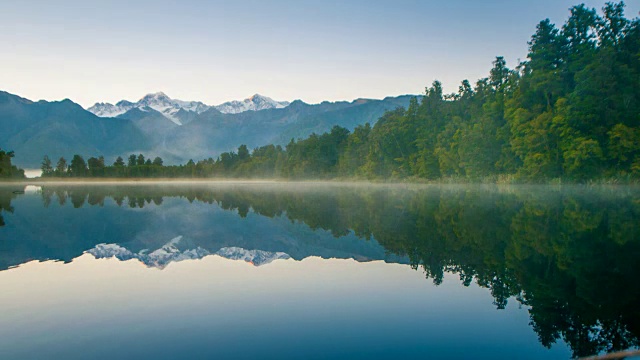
<point x="61" y="167"/>
<point x="157" y="161"/>
<point x="580" y="29"/>
<point x="96" y="166"/>
<point x="614" y="25"/>
<point x="140" y="160"/>
<point x="132" y="161"/>
<point x="119" y="162"/>
<point x="624" y="146"/>
<point x="546" y="60"/>
<point x="583" y="158"/>
<point x="243" y="153"/>
<point x="499" y="73"/>
<point x="47" y="169"/>
<point x="78" y="166"/>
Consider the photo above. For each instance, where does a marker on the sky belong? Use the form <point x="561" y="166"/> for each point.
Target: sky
<point x="216" y="51"/>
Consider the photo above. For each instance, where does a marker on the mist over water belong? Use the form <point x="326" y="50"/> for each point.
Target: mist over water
<point x="317" y="270"/>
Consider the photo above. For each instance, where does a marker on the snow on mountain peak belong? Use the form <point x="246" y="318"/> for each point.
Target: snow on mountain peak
<point x="257" y="97"/>
<point x="109" y="110"/>
<point x="158" y="101"/>
<point x="169" y="107"/>
<point x="158" y="98"/>
<point x="253" y="103"/>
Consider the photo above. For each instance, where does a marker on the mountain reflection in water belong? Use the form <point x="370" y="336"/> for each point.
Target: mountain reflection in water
<point x="570" y="255"/>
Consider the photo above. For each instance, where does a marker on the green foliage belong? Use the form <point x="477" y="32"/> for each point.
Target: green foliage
<point x="96" y="166"/>
<point x="582" y="158"/>
<point x="8" y="170"/>
<point x="78" y="167"/>
<point x="119" y="162"/>
<point x="47" y="169"/>
<point x="61" y="167"/>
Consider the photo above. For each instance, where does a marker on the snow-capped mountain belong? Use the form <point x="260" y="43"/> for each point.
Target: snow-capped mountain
<point x="110" y="110"/>
<point x="170" y="107"/>
<point x="158" y="101"/>
<point x="254" y="103"/>
<point x="170" y="252"/>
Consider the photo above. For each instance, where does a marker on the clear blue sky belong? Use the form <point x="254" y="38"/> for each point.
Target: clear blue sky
<point x="214" y="51"/>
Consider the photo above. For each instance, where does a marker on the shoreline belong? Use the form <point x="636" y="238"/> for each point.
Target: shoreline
<point x="408" y="183"/>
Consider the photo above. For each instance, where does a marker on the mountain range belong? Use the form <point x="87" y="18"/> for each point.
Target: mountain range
<point x="170" y="107"/>
<point x="175" y="130"/>
<point x="254" y="103"/>
<point x="159" y="102"/>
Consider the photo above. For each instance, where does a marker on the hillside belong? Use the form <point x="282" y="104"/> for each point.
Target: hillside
<point x="61" y="128"/>
<point x="64" y="128"/>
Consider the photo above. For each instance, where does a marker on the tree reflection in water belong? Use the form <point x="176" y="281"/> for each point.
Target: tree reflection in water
<point x="569" y="254"/>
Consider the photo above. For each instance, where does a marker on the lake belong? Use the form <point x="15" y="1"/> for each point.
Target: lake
<point x="311" y="270"/>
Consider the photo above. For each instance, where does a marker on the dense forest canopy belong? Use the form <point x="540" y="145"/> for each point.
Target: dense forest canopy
<point x="570" y="111"/>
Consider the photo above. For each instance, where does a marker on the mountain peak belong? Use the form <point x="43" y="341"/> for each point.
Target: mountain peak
<point x="156" y="95"/>
<point x="258" y="98"/>
<point x="169" y="107"/>
<point x="253" y="103"/>
<point x="122" y="103"/>
<point x="158" y="101"/>
<point x="156" y="98"/>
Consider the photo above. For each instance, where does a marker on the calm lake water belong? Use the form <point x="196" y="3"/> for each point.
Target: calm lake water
<point x="309" y="271"/>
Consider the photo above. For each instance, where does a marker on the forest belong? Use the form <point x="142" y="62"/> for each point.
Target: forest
<point x="569" y="112"/>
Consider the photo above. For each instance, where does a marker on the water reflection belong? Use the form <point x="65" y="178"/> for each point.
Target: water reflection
<point x="5" y="203"/>
<point x="569" y="255"/>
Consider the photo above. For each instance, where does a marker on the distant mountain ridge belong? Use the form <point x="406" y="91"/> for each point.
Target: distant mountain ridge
<point x="170" y="107"/>
<point x="175" y="130"/>
<point x="62" y="128"/>
<point x="254" y="103"/>
<point x="157" y="101"/>
<point x="213" y="132"/>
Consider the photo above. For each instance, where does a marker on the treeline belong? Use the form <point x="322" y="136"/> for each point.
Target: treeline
<point x="8" y="170"/>
<point x="136" y="166"/>
<point x="570" y="111"/>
